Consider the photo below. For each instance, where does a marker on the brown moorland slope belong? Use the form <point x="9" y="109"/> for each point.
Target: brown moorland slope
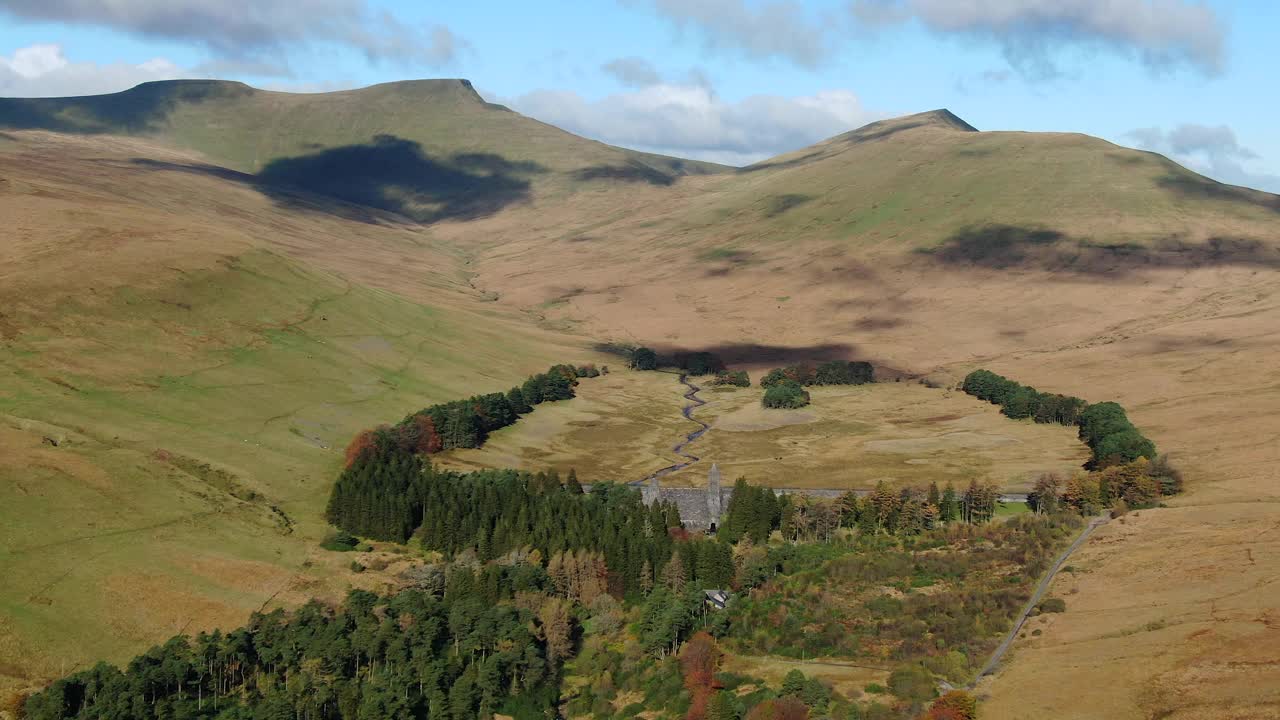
<point x="1056" y="259"/>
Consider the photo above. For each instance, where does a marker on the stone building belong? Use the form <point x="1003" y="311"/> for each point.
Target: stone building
<point x="700" y="508"/>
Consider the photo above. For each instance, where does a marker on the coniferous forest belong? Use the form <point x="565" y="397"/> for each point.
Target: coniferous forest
<point x="403" y="656"/>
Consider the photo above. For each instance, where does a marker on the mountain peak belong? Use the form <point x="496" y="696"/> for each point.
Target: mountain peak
<point x="944" y="117"/>
<point x="940" y="119"/>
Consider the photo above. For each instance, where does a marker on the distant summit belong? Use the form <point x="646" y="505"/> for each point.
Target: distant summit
<point x="935" y="119"/>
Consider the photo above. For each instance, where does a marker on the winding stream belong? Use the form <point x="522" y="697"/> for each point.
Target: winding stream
<point x="687" y="411"/>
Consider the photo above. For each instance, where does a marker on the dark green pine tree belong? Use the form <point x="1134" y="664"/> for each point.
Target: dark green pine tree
<point x="949" y="506"/>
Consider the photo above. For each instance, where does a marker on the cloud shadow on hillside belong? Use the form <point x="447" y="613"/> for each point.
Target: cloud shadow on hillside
<point x="634" y="173"/>
<point x="133" y="111"/>
<point x="387" y="173"/>
<point x="1010" y="247"/>
<point x="876" y="131"/>
<point x="1196" y="187"/>
<point x="295" y="200"/>
<point x="391" y="173"/>
<point x="761" y="354"/>
<point x="779" y="204"/>
<point x="748" y="353"/>
<point x="778" y="164"/>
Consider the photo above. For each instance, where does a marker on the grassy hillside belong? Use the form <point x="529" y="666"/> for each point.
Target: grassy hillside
<point x="933" y="181"/>
<point x="432" y="149"/>
<point x="182" y="361"/>
<point x="824" y="228"/>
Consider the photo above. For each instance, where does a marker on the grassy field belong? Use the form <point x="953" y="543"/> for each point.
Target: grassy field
<point x="847" y="679"/>
<point x="622" y="427"/>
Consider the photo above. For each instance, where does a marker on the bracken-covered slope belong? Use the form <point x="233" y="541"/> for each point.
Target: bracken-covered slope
<point x="431" y="149"/>
<point x="194" y="301"/>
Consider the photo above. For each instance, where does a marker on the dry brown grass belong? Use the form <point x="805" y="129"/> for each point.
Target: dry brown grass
<point x="853" y="437"/>
<point x="848" y="680"/>
<point x="622" y="426"/>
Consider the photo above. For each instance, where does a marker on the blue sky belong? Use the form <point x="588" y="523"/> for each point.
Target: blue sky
<point x="727" y="80"/>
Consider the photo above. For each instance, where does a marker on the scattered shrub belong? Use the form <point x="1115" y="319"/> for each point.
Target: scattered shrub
<point x="699" y="363"/>
<point x="913" y="683"/>
<point x="798" y="374"/>
<point x="1053" y="605"/>
<point x="340" y="541"/>
<point x="642" y="358"/>
<point x="736" y="378"/>
<point x="838" y="372"/>
<point x="786" y="394"/>
<point x="955" y="705"/>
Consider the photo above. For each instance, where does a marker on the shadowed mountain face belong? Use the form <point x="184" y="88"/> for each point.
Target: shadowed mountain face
<point x="394" y="174"/>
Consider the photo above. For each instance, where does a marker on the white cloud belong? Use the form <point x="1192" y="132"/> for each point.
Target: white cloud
<point x="777" y="29"/>
<point x="632" y="72"/>
<point x="248" y="31"/>
<point x="44" y="71"/>
<point x="689" y="120"/>
<point x="1159" y="33"/>
<point x="1209" y="149"/>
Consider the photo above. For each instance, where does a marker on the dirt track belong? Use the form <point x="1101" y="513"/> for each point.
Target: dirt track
<point x="1036" y="597"/>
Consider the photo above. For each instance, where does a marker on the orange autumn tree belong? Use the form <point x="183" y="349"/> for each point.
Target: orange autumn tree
<point x="359" y="444"/>
<point x="787" y="708"/>
<point x="699" y="662"/>
<point x="419" y="434"/>
<point x="955" y="705"/>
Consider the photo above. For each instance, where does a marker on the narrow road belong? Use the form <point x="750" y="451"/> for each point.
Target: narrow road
<point x="1036" y="597"/>
<point x="687" y="411"/>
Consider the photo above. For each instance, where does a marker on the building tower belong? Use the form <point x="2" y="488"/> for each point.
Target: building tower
<point x="650" y="492"/>
<point x="713" y="496"/>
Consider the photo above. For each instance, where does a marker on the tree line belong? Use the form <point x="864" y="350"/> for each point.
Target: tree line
<point x="754" y="513"/>
<point x="373" y="495"/>
<point x="1104" y="427"/>
<point x="784" y="386"/>
<point x="835" y="372"/>
<point x="467" y="423"/>
<point x="1137" y="484"/>
<point x="692" y="363"/>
